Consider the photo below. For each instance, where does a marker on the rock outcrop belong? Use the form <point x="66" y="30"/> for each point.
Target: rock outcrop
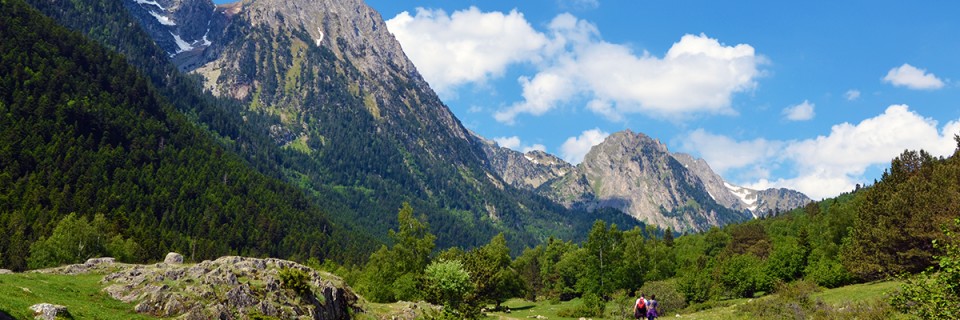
<point x="229" y="287"/>
<point x="524" y="170"/>
<point x="47" y="311"/>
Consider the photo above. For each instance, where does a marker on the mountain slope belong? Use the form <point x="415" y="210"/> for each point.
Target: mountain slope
<point x="638" y="175"/>
<point x="359" y="126"/>
<point x="81" y="131"/>
<point x="759" y="202"/>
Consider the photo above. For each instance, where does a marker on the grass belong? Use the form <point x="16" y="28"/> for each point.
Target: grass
<point x="858" y="292"/>
<point x="80" y="293"/>
<point x="719" y="310"/>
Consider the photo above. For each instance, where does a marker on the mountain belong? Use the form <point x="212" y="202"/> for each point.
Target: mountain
<point x="759" y="202"/>
<point x="524" y="170"/>
<point x="354" y="123"/>
<point x="636" y="174"/>
<point x="83" y="134"/>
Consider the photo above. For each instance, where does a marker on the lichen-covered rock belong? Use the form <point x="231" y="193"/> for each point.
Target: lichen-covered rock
<point x="173" y="258"/>
<point x="229" y="288"/>
<point x="47" y="311"/>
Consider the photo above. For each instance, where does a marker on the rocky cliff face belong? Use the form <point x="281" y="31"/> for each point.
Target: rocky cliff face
<point x="758" y="202"/>
<point x="638" y="175"/>
<point x="524" y="170"/>
<point x="189" y="31"/>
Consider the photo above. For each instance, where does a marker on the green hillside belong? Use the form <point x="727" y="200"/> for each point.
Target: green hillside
<point x="82" y="132"/>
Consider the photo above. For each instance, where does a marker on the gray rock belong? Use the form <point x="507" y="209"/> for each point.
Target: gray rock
<point x="240" y="297"/>
<point x="97" y="261"/>
<point x="173" y="258"/>
<point x="47" y="311"/>
<point x="5" y="271"/>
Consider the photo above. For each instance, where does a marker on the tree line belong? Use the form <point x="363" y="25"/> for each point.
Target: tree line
<point x="902" y="224"/>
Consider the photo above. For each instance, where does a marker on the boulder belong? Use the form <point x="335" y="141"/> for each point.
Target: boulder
<point x="96" y="261"/>
<point x="5" y="271"/>
<point x="49" y="311"/>
<point x="173" y="258"/>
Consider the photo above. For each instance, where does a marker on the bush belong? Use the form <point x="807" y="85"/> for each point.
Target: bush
<point x="622" y="306"/>
<point x="296" y="280"/>
<point x="669" y="298"/>
<point x="592" y="306"/>
<point x="447" y="283"/>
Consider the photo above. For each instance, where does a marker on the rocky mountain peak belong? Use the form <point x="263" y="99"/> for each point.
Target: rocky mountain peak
<point x="188" y="30"/>
<point x="349" y="28"/>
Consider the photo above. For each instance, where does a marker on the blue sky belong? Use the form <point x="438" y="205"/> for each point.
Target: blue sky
<point x="815" y="96"/>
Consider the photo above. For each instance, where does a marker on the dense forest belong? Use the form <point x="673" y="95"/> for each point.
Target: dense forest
<point x="903" y="224"/>
<point x="86" y="140"/>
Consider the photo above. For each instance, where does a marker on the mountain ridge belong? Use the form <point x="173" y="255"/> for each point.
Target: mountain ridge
<point x="625" y="156"/>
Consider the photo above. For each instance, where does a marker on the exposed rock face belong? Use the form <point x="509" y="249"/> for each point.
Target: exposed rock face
<point x="758" y="202"/>
<point x="48" y="311"/>
<point x="524" y="170"/>
<point x="638" y="175"/>
<point x="229" y="288"/>
<point x="189" y="31"/>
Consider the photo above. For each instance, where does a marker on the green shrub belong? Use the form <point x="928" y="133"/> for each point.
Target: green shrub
<point x="296" y="280"/>
<point x="592" y="306"/>
<point x="669" y="298"/>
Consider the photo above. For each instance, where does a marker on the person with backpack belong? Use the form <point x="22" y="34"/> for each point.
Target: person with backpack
<point x="640" y="308"/>
<point x="653" y="307"/>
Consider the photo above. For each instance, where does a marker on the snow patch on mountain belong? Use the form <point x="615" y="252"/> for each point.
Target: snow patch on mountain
<point x="151" y="3"/>
<point x="205" y="41"/>
<point x="164" y="20"/>
<point x="321" y="37"/>
<point x="747" y="196"/>
<point x="184" y="46"/>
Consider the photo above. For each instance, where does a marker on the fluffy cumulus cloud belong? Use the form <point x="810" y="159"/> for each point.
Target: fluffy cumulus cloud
<point x="831" y="164"/>
<point x="698" y="74"/>
<point x="575" y="148"/>
<point x="515" y="144"/>
<point x="800" y="112"/>
<point x="466" y="46"/>
<point x="913" y="78"/>
<point x="852" y="94"/>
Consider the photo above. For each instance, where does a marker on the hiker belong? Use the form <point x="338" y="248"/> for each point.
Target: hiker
<point x="652" y="306"/>
<point x="640" y="308"/>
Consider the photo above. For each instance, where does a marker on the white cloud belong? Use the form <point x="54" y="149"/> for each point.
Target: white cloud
<point x="536" y="146"/>
<point x="508" y="142"/>
<point x="913" y="78"/>
<point x="515" y="144"/>
<point x="852" y="94"/>
<point x="466" y="46"/>
<point x="575" y="148"/>
<point x="801" y="112"/>
<point x="697" y="75"/>
<point x="829" y="165"/>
